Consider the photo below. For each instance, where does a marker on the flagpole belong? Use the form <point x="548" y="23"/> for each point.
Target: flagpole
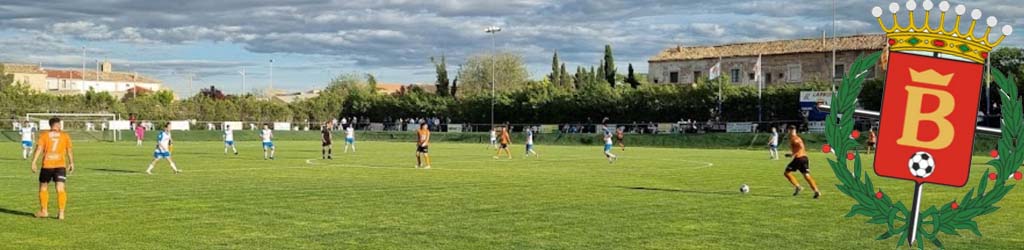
<point x="760" y="87"/>
<point x="720" y="87"/>
<point x="834" y="73"/>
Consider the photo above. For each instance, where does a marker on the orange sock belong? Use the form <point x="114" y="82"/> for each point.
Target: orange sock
<point x="792" y="180"/>
<point x="62" y="200"/>
<point x="427" y="157"/>
<point x="810" y="180"/>
<point x="44" y="200"/>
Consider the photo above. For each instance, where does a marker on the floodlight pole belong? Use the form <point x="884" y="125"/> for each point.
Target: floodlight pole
<point x="271" y="89"/>
<point x="493" y="30"/>
<point x="83" y="65"/>
<point x="243" y="82"/>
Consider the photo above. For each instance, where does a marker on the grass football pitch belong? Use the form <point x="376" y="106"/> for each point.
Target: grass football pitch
<point x="569" y="198"/>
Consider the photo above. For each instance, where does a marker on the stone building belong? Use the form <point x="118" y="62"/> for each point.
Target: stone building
<point x="76" y="81"/>
<point x="786" y="61"/>
<point x="28" y="74"/>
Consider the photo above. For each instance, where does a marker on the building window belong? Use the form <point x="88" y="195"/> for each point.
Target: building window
<point x="794" y="73"/>
<point x="735" y="75"/>
<point x="673" y="77"/>
<point x="840" y="71"/>
<point x="696" y="76"/>
<point x="751" y="76"/>
<point x="767" y="78"/>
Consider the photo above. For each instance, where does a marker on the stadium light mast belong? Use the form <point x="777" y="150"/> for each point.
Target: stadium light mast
<point x="243" y="81"/>
<point x="83" y="65"/>
<point x="271" y="89"/>
<point x="493" y="30"/>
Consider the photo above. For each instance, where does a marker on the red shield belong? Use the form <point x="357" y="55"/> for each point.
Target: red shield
<point x="928" y="119"/>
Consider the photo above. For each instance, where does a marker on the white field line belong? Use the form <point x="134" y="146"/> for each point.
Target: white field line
<point x="315" y="163"/>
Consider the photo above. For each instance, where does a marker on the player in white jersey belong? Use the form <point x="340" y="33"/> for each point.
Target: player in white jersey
<point x="529" y="143"/>
<point x="350" y="138"/>
<point x="229" y="139"/>
<point x="494" y="138"/>
<point x="163" y="150"/>
<point x="773" y="145"/>
<point x="268" y="144"/>
<point x="26" y="139"/>
<point x="608" y="143"/>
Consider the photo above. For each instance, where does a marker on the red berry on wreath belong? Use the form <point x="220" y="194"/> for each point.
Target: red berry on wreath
<point x="826" y="149"/>
<point x="879" y="195"/>
<point x="993" y="176"/>
<point x="855" y="134"/>
<point x="1017" y="175"/>
<point x="849" y="156"/>
<point x="954" y="205"/>
<point x="994" y="153"/>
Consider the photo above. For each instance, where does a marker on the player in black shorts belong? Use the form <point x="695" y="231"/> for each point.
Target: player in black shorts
<point x="422" y="147"/>
<point x="326" y="139"/>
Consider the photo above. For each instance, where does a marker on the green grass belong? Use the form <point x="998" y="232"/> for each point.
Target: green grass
<point x="570" y="198"/>
<point x="983" y="142"/>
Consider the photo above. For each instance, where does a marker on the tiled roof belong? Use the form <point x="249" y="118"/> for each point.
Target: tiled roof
<point x="11" y="68"/>
<point x="817" y="45"/>
<point x="103" y="76"/>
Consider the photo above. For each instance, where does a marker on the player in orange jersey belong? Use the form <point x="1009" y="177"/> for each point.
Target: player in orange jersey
<point x="423" y="146"/>
<point x="504" y="139"/>
<point x="872" y="140"/>
<point x="799" y="163"/>
<point x="58" y="161"/>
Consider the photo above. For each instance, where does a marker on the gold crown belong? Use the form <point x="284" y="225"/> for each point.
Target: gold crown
<point x="930" y="77"/>
<point x="924" y="37"/>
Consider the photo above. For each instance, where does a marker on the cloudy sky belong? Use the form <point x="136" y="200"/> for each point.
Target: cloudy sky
<point x="310" y="41"/>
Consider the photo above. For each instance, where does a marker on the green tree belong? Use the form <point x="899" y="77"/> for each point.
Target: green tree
<point x="5" y="79"/>
<point x="1009" y="60"/>
<point x="441" y="68"/>
<point x="609" y="66"/>
<point x="455" y="87"/>
<point x="631" y="78"/>
<point x="566" y="79"/>
<point x="509" y="72"/>
<point x="371" y="82"/>
<point x="556" y="74"/>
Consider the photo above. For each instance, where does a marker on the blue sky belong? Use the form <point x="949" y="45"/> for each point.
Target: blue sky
<point x="311" y="41"/>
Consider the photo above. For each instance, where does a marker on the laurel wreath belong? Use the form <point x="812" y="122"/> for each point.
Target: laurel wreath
<point x="948" y="218"/>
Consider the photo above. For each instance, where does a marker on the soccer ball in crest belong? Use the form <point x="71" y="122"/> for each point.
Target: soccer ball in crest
<point x="921" y="165"/>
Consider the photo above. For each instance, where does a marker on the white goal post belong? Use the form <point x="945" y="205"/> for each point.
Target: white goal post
<point x="89" y="122"/>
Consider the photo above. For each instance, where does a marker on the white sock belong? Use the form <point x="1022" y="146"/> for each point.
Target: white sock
<point x="264" y="154"/>
<point x="174" y="167"/>
<point x="150" y="168"/>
